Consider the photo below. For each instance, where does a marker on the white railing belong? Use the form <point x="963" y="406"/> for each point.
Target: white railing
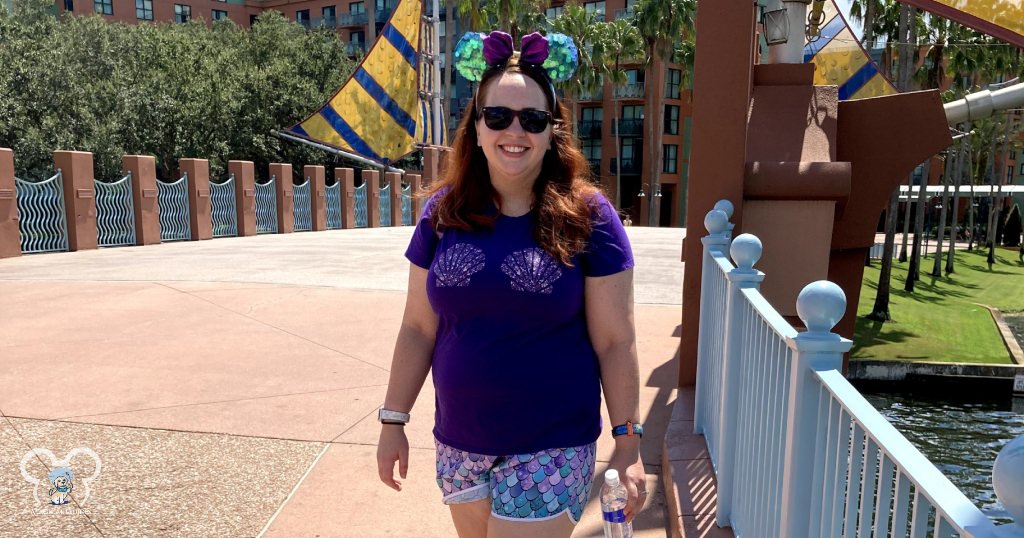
<point x="797" y="451"/>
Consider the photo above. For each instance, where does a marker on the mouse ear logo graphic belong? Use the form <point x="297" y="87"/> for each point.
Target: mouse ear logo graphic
<point x="64" y="477"/>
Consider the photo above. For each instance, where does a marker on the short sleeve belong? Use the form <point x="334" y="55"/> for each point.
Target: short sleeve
<point x="608" y="251"/>
<point x="424" y="239"/>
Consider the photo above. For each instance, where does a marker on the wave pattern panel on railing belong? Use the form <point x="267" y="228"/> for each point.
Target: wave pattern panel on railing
<point x="172" y="199"/>
<point x="301" y="209"/>
<point x="115" y="212"/>
<point x="385" y="205"/>
<point x="266" y="207"/>
<point x="407" y="205"/>
<point x="223" y="213"/>
<point x="333" y="206"/>
<point x="41" y="220"/>
<point x="360" y="204"/>
<point x="761" y="421"/>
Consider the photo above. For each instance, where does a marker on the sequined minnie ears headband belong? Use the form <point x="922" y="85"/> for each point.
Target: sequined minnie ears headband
<point x="556" y="55"/>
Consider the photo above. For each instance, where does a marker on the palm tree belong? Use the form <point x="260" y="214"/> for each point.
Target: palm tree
<point x="587" y="33"/>
<point x="662" y="23"/>
<point x="622" y="41"/>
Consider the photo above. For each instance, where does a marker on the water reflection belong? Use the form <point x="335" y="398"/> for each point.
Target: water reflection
<point x="961" y="438"/>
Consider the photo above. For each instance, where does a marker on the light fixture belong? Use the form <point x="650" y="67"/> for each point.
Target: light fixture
<point x="776" y="26"/>
<point x="657" y="191"/>
<point x="641" y="194"/>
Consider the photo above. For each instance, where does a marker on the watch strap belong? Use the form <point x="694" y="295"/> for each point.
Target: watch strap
<point x="628" y="429"/>
<point x="392" y="416"/>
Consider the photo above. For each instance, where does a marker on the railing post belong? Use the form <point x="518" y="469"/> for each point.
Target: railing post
<point x="282" y="174"/>
<point x="245" y="195"/>
<point x="1008" y="482"/>
<point x="317" y="196"/>
<point x="197" y="172"/>
<point x="432" y="166"/>
<point x="144" y="202"/>
<point x="820" y="306"/>
<point x="716" y="222"/>
<point x="79" y="198"/>
<point x="347" y="178"/>
<point x="371" y="178"/>
<point x="394" y="179"/>
<point x="745" y="251"/>
<point x="726" y="205"/>
<point x="415" y="186"/>
<point x="10" y="236"/>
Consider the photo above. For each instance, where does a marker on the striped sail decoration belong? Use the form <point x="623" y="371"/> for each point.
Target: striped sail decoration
<point x="840" y="60"/>
<point x="1001" y="19"/>
<point x="378" y="113"/>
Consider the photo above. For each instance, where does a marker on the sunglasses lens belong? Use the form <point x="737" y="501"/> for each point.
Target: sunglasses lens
<point x="497" y="117"/>
<point x="534" y="121"/>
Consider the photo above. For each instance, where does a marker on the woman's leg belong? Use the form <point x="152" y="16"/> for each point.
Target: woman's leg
<point x="471" y="519"/>
<point x="556" y="527"/>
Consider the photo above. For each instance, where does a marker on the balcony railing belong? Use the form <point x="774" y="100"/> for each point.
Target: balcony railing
<point x="630" y="127"/>
<point x="629" y="166"/>
<point x="624" y="13"/>
<point x="595" y="166"/>
<point x="355" y="49"/>
<point x="352" y="19"/>
<point x="630" y="91"/>
<point x="597" y="95"/>
<point x="590" y="128"/>
<point x="324" y="22"/>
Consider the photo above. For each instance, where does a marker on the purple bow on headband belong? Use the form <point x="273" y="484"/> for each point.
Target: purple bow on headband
<point x="498" y="48"/>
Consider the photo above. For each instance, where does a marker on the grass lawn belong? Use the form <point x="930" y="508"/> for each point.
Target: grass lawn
<point x="940" y="321"/>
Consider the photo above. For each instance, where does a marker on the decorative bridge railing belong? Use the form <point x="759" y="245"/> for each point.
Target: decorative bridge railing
<point x="797" y="451"/>
<point x="144" y="210"/>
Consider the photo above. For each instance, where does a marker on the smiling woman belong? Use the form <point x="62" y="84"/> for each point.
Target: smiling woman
<point x="520" y="304"/>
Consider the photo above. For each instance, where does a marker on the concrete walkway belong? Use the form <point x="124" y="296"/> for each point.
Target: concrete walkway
<point x="230" y="387"/>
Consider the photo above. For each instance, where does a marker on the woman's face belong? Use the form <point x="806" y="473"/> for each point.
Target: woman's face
<point x="513" y="154"/>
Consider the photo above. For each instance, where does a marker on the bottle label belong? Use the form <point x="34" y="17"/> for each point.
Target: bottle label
<point x="615" y="516"/>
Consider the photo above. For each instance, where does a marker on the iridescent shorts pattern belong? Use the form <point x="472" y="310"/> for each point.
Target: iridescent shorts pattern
<point x="534" y="486"/>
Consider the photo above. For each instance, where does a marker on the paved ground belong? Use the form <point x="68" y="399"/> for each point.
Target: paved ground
<point x="229" y="387"/>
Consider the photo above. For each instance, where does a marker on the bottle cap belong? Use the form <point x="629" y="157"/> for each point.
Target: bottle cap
<point x="611" y="477"/>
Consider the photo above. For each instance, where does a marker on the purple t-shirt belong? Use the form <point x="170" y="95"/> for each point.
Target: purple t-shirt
<point x="513" y="367"/>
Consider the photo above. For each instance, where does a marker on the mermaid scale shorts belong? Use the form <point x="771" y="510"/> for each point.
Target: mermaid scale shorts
<point x="535" y="486"/>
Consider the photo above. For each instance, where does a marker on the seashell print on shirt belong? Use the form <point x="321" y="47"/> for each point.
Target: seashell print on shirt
<point x="457" y="264"/>
<point x="531" y="269"/>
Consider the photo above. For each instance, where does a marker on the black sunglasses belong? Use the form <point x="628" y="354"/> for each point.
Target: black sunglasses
<point x="498" y="118"/>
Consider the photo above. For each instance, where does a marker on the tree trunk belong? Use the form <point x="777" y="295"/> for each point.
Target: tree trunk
<point x="957" y="180"/>
<point x="651" y="152"/>
<point x="869" y="23"/>
<point x="618" y="141"/>
<point x="906" y="220"/>
<point x="946" y="175"/>
<point x="371" y="24"/>
<point x="914" y="271"/>
<point x="880" y="312"/>
<point x="446" y="73"/>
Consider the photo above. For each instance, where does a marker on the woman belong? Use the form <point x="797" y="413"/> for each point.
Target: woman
<point x="521" y="300"/>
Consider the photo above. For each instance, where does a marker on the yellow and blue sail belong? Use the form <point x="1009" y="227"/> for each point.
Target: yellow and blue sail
<point x="840" y="60"/>
<point x="378" y="113"/>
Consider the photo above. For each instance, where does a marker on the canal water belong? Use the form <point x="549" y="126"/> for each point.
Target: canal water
<point x="962" y="438"/>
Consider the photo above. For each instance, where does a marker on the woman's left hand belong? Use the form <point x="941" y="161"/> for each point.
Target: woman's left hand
<point x="630" y="466"/>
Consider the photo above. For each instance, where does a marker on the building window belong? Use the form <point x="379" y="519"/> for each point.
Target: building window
<point x="330" y="15"/>
<point x="632" y="112"/>
<point x="144" y="10"/>
<point x="69" y="5"/>
<point x="554" y="12"/>
<point x="591" y="113"/>
<point x="104" y="7"/>
<point x="671" y="119"/>
<point x="629" y="145"/>
<point x="670" y="158"/>
<point x="252" y="20"/>
<point x="597" y="8"/>
<point x="182" y="12"/>
<point x="673" y="81"/>
<point x="441" y="28"/>
<point x="357" y="37"/>
<point x="592" y="149"/>
<point x="219" y="14"/>
<point x="357" y="7"/>
<point x="1009" y="175"/>
<point x="1022" y="169"/>
<point x="302" y="17"/>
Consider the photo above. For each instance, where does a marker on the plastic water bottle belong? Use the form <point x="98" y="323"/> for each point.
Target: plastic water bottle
<point x="613" y="502"/>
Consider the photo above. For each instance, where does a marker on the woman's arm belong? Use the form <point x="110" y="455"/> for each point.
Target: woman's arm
<point x="609" y="311"/>
<point x="409" y="367"/>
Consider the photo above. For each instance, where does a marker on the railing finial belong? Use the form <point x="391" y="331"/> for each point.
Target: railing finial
<point x="725" y="205"/>
<point x="821" y="305"/>
<point x="716" y="221"/>
<point x="1008" y="480"/>
<point x="745" y="251"/>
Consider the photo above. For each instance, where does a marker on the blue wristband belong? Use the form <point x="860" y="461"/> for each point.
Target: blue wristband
<point x="629" y="428"/>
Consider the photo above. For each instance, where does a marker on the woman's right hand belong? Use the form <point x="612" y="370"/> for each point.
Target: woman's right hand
<point x="393" y="446"/>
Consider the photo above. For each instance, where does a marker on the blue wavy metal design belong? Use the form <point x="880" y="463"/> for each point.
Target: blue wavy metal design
<point x="266" y="207"/>
<point x="115" y="212"/>
<point x="172" y="199"/>
<point x="407" y="205"/>
<point x="301" y="209"/>
<point x="223" y="212"/>
<point x="333" y="203"/>
<point x="41" y="219"/>
<point x="385" y="205"/>
<point x="361" y="206"/>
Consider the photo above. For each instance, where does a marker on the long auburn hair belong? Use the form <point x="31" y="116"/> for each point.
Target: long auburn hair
<point x="563" y="191"/>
